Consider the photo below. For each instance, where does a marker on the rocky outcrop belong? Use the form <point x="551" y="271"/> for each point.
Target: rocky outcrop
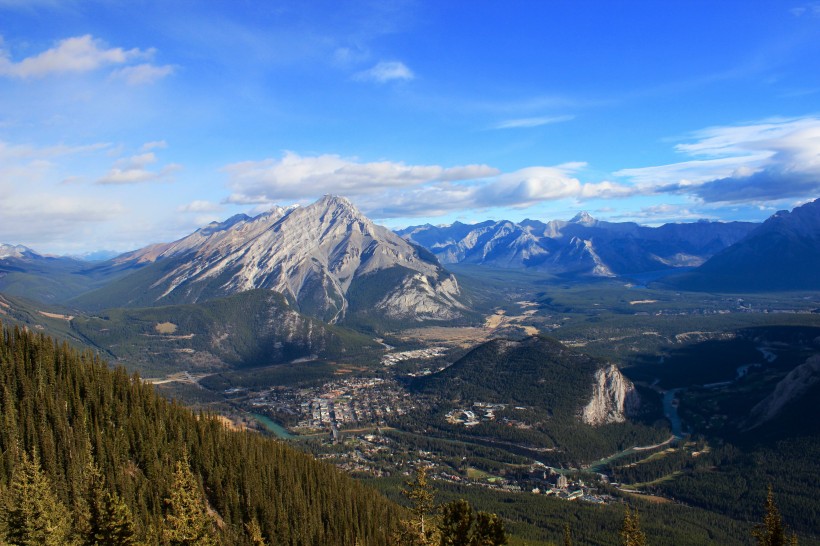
<point x="614" y="398"/>
<point x="792" y="387"/>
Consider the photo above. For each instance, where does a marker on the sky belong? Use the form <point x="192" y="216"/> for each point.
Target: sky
<point x="129" y="123"/>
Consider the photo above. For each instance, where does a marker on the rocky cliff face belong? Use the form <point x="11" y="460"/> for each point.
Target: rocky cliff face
<point x="614" y="398"/>
<point x="309" y="254"/>
<point x="792" y="387"/>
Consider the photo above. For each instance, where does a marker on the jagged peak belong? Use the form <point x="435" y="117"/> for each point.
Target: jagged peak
<point x="15" y="251"/>
<point x="583" y="217"/>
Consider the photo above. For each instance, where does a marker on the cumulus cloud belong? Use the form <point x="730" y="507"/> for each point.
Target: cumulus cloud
<point x="142" y="74"/>
<point x="297" y="177"/>
<point x="772" y="159"/>
<point x="386" y="71"/>
<point x="134" y="170"/>
<point x="524" y="123"/>
<point x="389" y="189"/>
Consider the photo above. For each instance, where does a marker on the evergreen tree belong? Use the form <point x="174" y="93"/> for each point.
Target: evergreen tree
<point x="456" y="521"/>
<point x="255" y="533"/>
<point x="187" y="522"/>
<point x="35" y="517"/>
<point x="418" y="530"/>
<point x="567" y="535"/>
<point x="631" y="534"/>
<point x="772" y="532"/>
<point x="109" y="519"/>
<point x="489" y="531"/>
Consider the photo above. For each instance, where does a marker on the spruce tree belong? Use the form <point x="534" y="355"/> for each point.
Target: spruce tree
<point x="567" y="535"/>
<point x="187" y="522"/>
<point x="419" y="529"/>
<point x="772" y="532"/>
<point x="109" y="519"/>
<point x="489" y="531"/>
<point x="631" y="534"/>
<point x="456" y="521"/>
<point x="35" y="516"/>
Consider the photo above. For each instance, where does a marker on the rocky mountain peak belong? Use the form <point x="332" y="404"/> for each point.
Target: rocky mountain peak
<point x="583" y="218"/>
<point x="312" y="255"/>
<point x="16" y="251"/>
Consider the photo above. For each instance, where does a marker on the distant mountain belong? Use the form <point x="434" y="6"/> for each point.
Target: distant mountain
<point x="581" y="246"/>
<point x="24" y="272"/>
<point x="327" y="259"/>
<point x="781" y="254"/>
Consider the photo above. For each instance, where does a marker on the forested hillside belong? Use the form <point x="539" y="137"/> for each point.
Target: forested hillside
<point x="87" y="452"/>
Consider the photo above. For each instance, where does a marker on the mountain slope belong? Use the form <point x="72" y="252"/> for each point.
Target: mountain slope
<point x="581" y="246"/>
<point x="782" y="254"/>
<point x="312" y="255"/>
<point x="94" y="415"/>
<point x="250" y="329"/>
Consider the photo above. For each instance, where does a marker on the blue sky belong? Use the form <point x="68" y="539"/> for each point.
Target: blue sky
<point x="127" y="123"/>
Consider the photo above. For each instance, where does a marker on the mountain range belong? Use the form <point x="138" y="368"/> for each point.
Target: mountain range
<point x="582" y="246"/>
<point x="783" y="253"/>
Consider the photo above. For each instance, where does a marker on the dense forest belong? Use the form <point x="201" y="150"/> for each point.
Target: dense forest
<point x="86" y="451"/>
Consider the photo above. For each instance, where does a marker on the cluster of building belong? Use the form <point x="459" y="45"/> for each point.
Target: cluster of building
<point x="478" y="412"/>
<point x="427" y="353"/>
<point x="337" y="405"/>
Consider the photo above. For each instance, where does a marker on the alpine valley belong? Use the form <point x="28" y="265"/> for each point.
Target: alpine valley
<point x="547" y="371"/>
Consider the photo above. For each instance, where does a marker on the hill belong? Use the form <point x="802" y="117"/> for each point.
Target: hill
<point x="96" y="418"/>
<point x="554" y="399"/>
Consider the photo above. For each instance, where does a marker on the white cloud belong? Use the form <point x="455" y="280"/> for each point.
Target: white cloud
<point x="771" y="159"/>
<point x="153" y="145"/>
<point x="199" y="206"/>
<point x="142" y="74"/>
<point x="298" y="177"/>
<point x="78" y="54"/>
<point x="386" y="71"/>
<point x="389" y="189"/>
<point x="523" y="123"/>
<point x="134" y="170"/>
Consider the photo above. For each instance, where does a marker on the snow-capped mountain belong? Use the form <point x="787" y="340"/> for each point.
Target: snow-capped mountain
<point x="327" y="259"/>
<point x="580" y="246"/>
<point x="16" y="251"/>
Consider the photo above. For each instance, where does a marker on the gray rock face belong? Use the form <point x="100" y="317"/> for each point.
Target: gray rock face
<point x="614" y="398"/>
<point x="792" y="387"/>
<point x="310" y="254"/>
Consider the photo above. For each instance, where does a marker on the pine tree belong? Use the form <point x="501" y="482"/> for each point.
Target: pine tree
<point x="419" y="529"/>
<point x="772" y="532"/>
<point x="456" y="521"/>
<point x="567" y="535"/>
<point x="35" y="517"/>
<point x="489" y="531"/>
<point x="109" y="519"/>
<point x="255" y="533"/>
<point x="631" y="534"/>
<point x="187" y="522"/>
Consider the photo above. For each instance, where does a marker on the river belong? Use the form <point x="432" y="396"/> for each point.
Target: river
<point x="272" y="426"/>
